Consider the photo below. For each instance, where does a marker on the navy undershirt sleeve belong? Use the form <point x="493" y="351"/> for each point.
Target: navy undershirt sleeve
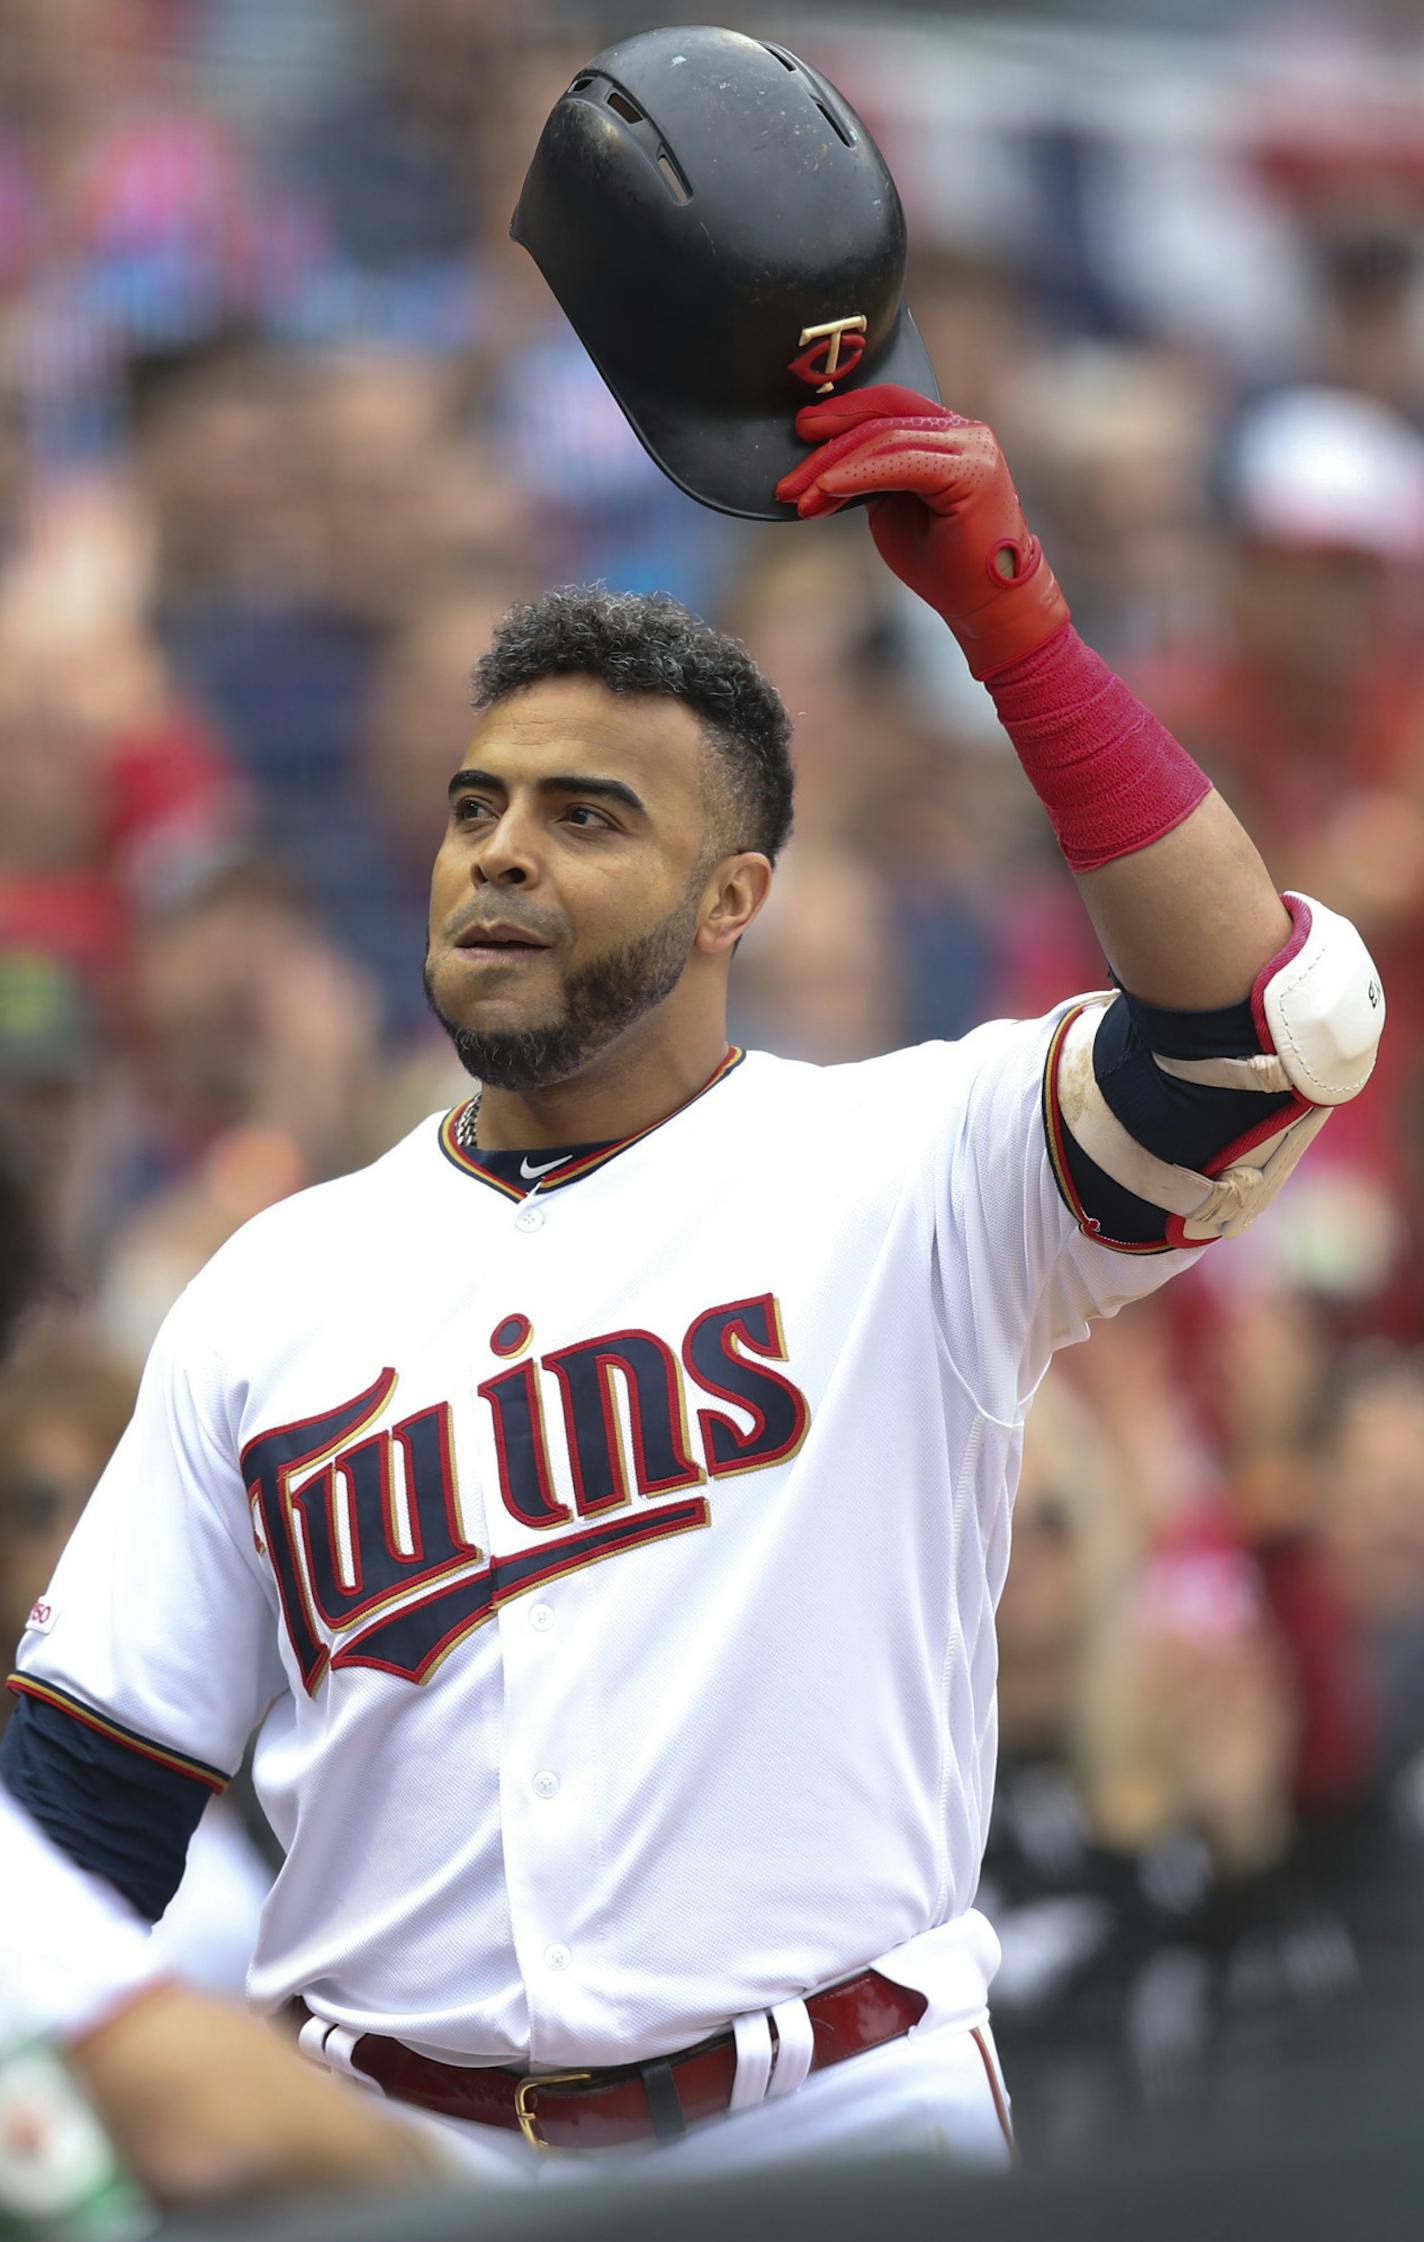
<point x="125" y="1817"/>
<point x="1188" y="1123"/>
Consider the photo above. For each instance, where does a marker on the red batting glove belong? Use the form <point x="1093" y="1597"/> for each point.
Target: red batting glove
<point x="948" y="520"/>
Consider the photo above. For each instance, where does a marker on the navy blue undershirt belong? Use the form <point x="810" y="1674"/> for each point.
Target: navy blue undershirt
<point x="112" y="1810"/>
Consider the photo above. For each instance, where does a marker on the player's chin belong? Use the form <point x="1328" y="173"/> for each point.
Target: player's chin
<point x="479" y="992"/>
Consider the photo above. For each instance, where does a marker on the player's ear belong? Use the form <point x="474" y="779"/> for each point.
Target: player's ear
<point x="736" y="889"/>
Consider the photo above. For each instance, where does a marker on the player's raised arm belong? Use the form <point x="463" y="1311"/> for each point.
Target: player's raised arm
<point x="1245" y="1016"/>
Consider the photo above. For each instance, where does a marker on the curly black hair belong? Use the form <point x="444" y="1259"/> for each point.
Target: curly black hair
<point x="648" y="643"/>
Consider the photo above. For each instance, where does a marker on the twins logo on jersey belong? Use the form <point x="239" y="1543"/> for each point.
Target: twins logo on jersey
<point x="362" y="1522"/>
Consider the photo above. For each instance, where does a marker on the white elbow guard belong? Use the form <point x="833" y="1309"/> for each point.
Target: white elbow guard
<point x="1319" y="1011"/>
<point x="1322" y="1006"/>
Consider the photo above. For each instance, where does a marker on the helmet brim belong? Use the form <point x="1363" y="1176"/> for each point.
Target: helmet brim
<point x="733" y="462"/>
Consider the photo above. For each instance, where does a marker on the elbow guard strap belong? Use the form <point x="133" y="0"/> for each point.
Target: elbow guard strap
<point x="1317" y="1011"/>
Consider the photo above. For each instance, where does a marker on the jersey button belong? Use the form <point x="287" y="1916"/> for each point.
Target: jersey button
<point x="557" y="1957"/>
<point x="529" y="1218"/>
<point x="546" y="1783"/>
<point x="541" y="1618"/>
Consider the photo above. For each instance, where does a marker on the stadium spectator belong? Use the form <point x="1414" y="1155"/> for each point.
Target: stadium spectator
<point x="1162" y="1932"/>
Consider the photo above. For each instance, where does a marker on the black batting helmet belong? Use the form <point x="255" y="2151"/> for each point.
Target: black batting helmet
<point x="725" y="238"/>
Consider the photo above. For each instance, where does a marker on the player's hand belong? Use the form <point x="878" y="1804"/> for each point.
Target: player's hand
<point x="943" y="512"/>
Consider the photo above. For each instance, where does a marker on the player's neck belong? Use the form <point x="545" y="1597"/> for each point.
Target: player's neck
<point x="638" y="1080"/>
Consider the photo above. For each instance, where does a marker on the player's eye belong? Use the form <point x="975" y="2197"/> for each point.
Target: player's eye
<point x="588" y="818"/>
<point x="466" y="808"/>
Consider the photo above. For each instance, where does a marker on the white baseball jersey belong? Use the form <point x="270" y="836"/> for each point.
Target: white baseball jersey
<point x="611" y="1571"/>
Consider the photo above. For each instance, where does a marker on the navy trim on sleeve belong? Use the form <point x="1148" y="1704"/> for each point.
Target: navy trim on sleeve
<point x="113" y="1810"/>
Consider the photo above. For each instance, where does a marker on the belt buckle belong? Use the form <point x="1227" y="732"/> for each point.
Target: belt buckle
<point x="528" y="2116"/>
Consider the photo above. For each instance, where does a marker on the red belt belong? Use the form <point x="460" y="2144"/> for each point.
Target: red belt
<point x="637" y="2101"/>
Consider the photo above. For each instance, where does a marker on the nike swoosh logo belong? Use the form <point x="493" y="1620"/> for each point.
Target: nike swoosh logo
<point x="543" y="1169"/>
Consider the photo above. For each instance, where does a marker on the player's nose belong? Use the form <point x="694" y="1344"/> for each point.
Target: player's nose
<point x="508" y="856"/>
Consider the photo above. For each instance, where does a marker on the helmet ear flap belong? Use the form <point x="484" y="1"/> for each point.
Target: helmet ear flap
<point x="725" y="238"/>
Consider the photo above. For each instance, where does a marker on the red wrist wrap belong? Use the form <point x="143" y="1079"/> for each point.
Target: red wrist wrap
<point x="1111" y="778"/>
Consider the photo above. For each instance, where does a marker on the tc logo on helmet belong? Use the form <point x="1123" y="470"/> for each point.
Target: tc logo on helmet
<point x="836" y="350"/>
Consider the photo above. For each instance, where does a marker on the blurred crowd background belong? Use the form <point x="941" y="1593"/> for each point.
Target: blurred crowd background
<point x="286" y="421"/>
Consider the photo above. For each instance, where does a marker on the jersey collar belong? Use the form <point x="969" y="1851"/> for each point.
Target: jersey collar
<point x="470" y="1162"/>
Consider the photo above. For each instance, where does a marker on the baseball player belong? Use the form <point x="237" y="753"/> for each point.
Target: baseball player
<point x="598" y="1505"/>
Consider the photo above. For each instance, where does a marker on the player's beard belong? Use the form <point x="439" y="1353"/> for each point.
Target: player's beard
<point x="601" y="1000"/>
